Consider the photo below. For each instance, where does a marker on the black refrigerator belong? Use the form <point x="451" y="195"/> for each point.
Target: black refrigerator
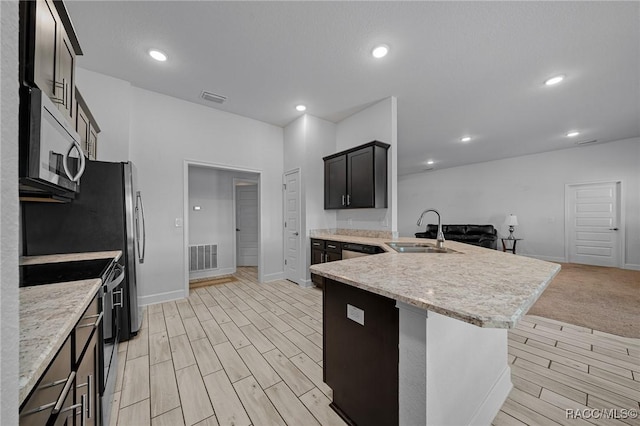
<point x="107" y="214"/>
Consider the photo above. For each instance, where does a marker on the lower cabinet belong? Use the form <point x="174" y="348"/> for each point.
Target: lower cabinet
<point x="360" y="354"/>
<point x="52" y="391"/>
<point x="323" y="251"/>
<point x="68" y="392"/>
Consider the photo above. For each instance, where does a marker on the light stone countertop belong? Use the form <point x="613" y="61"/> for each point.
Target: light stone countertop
<point x="69" y="257"/>
<point x="48" y="313"/>
<point x="480" y="286"/>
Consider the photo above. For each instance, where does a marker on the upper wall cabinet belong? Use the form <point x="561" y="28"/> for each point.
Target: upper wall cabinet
<point x="86" y="127"/>
<point x="48" y="52"/>
<point x="356" y="178"/>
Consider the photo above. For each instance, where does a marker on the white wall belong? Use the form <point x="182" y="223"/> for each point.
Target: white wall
<point x="212" y="190"/>
<point x="306" y="141"/>
<point x="109" y="100"/>
<point x="531" y="187"/>
<point x="164" y="132"/>
<point x="9" y="213"/>
<point x="377" y="122"/>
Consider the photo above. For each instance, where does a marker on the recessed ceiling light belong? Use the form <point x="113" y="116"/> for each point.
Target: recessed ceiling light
<point x="430" y="162"/>
<point x="157" y="55"/>
<point x="380" y="51"/>
<point x="572" y="134"/>
<point x="465" y="139"/>
<point x="301" y="108"/>
<point x="554" y="80"/>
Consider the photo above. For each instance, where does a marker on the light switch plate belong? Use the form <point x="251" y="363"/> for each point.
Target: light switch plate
<point x="178" y="222"/>
<point x="355" y="314"/>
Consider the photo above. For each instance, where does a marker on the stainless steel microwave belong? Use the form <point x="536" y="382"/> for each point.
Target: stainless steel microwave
<point x="51" y="159"/>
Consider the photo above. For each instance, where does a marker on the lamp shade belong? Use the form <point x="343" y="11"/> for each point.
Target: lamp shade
<point x="512" y="220"/>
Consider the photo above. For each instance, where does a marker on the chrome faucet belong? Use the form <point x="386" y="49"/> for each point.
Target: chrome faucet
<point x="440" y="237"/>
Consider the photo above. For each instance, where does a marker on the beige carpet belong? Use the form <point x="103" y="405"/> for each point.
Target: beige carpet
<point x="604" y="299"/>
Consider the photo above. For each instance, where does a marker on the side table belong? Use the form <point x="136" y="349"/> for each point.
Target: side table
<point x="510" y="247"/>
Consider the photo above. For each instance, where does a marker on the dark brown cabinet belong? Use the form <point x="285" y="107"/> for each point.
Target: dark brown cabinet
<point x="323" y="251"/>
<point x="68" y="392"/>
<point x="86" y="127"/>
<point x="360" y="355"/>
<point x="49" y="47"/>
<point x="356" y="178"/>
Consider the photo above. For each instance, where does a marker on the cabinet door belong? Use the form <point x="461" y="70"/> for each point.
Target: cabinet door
<point x="317" y="256"/>
<point x="82" y="127"/>
<point x="93" y="143"/>
<point x="360" y="179"/>
<point x="332" y="257"/>
<point x="87" y="385"/>
<point x="335" y="182"/>
<point x="66" y="58"/>
<point x="46" y="42"/>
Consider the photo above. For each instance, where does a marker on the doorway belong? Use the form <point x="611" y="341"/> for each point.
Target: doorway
<point x="594" y="228"/>
<point x="209" y="219"/>
<point x="246" y="222"/>
<point x="292" y="238"/>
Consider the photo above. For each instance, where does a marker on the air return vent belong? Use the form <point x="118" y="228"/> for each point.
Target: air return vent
<point x="589" y="142"/>
<point x="213" y="97"/>
<point x="203" y="257"/>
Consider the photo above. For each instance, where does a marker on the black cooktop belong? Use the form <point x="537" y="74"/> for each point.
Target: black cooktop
<point x="49" y="273"/>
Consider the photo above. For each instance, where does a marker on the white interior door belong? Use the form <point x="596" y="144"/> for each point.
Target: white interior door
<point x="246" y="224"/>
<point x="593" y="224"/>
<point x="292" y="226"/>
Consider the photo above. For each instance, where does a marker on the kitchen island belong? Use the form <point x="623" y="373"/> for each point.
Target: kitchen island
<point x="453" y="311"/>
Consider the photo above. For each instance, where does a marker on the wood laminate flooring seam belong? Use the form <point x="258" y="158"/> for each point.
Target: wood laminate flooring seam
<point x="250" y="353"/>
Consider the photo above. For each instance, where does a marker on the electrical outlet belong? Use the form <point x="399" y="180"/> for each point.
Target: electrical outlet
<point x="355" y="314"/>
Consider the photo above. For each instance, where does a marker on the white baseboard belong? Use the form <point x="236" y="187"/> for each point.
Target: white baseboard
<point x="273" y="277"/>
<point x="161" y="297"/>
<point x="631" y="266"/>
<point x="211" y="273"/>
<point x="547" y="258"/>
<point x="491" y="405"/>
<point x="306" y="283"/>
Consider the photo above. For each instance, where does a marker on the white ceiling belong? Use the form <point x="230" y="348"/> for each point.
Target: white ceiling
<point x="456" y="68"/>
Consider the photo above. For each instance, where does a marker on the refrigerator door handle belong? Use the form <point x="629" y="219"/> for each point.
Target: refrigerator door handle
<point x="140" y="213"/>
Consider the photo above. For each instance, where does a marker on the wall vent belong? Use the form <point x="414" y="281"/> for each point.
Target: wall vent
<point x="203" y="257"/>
<point x="212" y="97"/>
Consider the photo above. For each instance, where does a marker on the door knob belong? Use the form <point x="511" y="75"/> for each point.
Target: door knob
<point x="613" y="229"/>
<point x="295" y="233"/>
<point x="237" y="230"/>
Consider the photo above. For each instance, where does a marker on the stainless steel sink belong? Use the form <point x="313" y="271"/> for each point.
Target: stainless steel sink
<point x="402" y="247"/>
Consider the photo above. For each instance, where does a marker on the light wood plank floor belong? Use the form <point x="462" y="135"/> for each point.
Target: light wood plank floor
<point x="245" y="353"/>
<point x="557" y="367"/>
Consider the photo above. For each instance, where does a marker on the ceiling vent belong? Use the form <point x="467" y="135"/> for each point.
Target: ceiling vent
<point x="212" y="97"/>
<point x="589" y="142"/>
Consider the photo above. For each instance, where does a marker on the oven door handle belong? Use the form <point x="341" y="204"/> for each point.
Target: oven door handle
<point x="115" y="282"/>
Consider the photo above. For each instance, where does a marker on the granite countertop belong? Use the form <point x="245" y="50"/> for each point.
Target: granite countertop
<point x="69" y="257"/>
<point x="480" y="286"/>
<point x="48" y="313"/>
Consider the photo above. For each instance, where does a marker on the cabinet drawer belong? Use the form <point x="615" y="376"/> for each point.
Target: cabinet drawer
<point x="39" y="406"/>
<point x="333" y="246"/>
<point x="317" y="244"/>
<point x="90" y="321"/>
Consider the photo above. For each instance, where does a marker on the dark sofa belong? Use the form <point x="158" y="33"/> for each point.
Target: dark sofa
<point x="479" y="235"/>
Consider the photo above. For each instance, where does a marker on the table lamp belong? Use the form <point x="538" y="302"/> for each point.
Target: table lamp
<point x="512" y="221"/>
